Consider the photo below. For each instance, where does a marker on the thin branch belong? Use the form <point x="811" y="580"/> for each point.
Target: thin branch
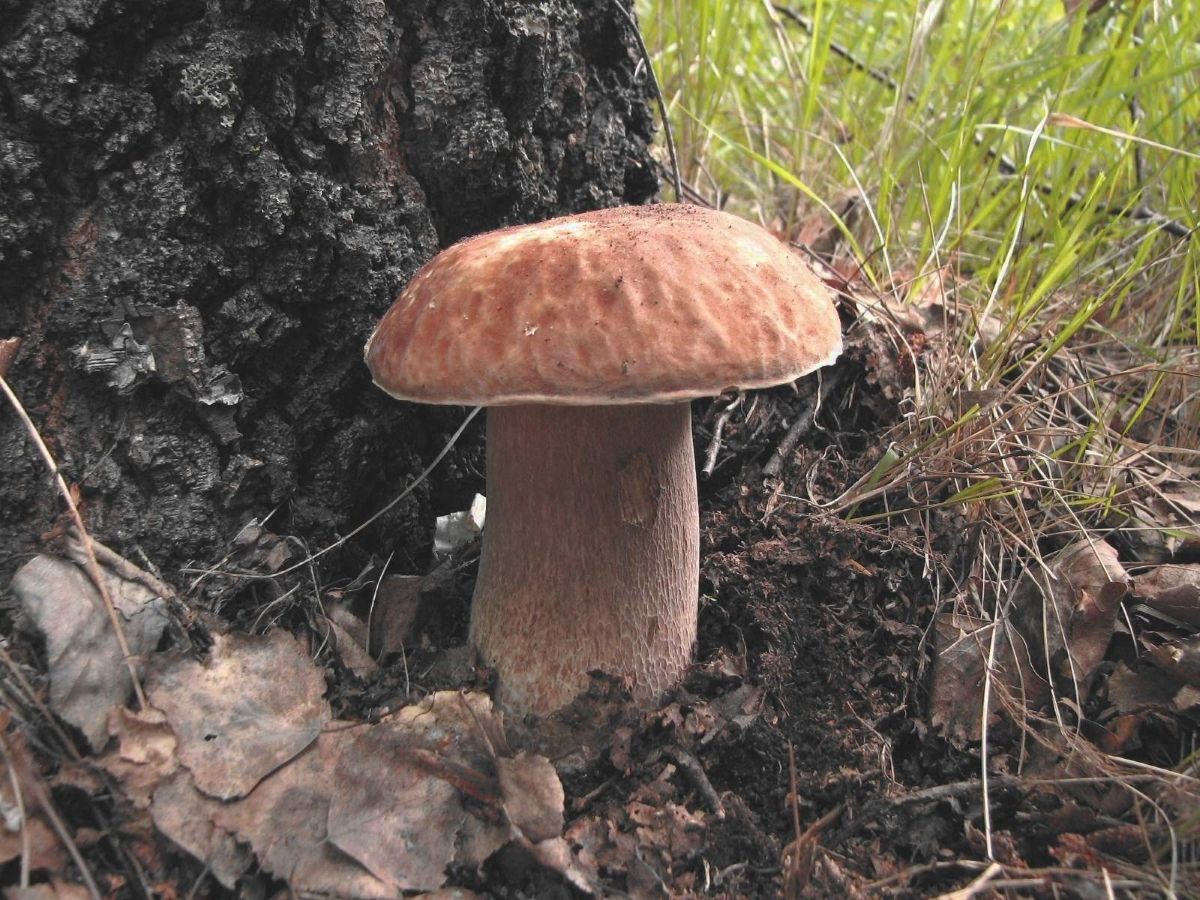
<point x="699" y="778"/>
<point x="803" y="422"/>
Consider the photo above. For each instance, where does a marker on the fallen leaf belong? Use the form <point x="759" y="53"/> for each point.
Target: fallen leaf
<point x="23" y="830"/>
<point x="185" y="815"/>
<point x="1180" y="658"/>
<point x="396" y="818"/>
<point x="45" y="851"/>
<point x="394" y="613"/>
<point x="145" y="752"/>
<point x="533" y="796"/>
<point x="1145" y="689"/>
<point x="554" y="853"/>
<point x="964" y="644"/>
<point x="1068" y="614"/>
<point x="286" y="820"/>
<point x="88" y="675"/>
<point x="254" y="705"/>
<point x="348" y="648"/>
<point x="1173" y="590"/>
<point x="9" y="347"/>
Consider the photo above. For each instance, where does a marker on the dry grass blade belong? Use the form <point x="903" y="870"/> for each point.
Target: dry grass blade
<point x="92" y="565"/>
<point x="800" y="856"/>
<point x="26" y="781"/>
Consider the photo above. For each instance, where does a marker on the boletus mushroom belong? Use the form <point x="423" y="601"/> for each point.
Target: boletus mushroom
<point x="586" y="336"/>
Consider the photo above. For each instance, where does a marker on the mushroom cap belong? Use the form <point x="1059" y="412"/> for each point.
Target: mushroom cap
<point x="636" y="304"/>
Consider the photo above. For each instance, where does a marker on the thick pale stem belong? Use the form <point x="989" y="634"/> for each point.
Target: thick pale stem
<point x="590" y="552"/>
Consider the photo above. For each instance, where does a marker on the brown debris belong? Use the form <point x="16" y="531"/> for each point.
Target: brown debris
<point x="533" y="796"/>
<point x="88" y="673"/>
<point x="145" y="753"/>
<point x="255" y="704"/>
<point x="53" y="890"/>
<point x="1171" y="589"/>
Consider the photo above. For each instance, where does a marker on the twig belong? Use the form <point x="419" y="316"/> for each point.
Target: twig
<point x="690" y="191"/>
<point x="92" y="567"/>
<point x="579" y="804"/>
<point x="32" y="699"/>
<point x="714" y="446"/>
<point x="877" y="807"/>
<point x="120" y="565"/>
<point x="802" y="424"/>
<point x="977" y="884"/>
<point x="22" y="811"/>
<point x="1139" y="213"/>
<point x="792" y="860"/>
<point x="699" y="778"/>
<point x="658" y="94"/>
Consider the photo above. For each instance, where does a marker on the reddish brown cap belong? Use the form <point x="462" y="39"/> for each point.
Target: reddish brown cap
<point x="638" y="304"/>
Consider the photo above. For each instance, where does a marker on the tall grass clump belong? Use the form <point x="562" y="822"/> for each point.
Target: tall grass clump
<point x="1032" y="167"/>
<point x="1018" y="183"/>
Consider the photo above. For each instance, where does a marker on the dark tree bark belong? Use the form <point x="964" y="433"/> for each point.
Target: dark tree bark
<point x="205" y="206"/>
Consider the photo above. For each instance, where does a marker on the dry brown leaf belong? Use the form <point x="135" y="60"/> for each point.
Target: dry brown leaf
<point x="1096" y="583"/>
<point x="1146" y="689"/>
<point x="396" y="818"/>
<point x="1173" y="590"/>
<point x="394" y="613"/>
<point x="533" y="796"/>
<point x="254" y="705"/>
<point x="45" y="851"/>
<point x="285" y="820"/>
<point x="554" y="853"/>
<point x="88" y="675"/>
<point x="22" y="826"/>
<point x="374" y="810"/>
<point x="349" y="649"/>
<point x="1181" y="659"/>
<point x="145" y="752"/>
<point x="1069" y="617"/>
<point x="184" y="815"/>
<point x="619" y="749"/>
<point x="9" y="347"/>
<point x="963" y="645"/>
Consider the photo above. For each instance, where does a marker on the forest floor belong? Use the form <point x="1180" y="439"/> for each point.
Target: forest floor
<point x="828" y="741"/>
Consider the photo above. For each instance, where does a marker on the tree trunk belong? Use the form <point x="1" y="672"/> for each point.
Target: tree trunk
<point x="205" y="207"/>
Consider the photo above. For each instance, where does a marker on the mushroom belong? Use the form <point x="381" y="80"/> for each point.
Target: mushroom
<point x="587" y="335"/>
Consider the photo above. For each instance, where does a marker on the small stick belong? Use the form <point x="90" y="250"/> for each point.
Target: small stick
<point x="714" y="446"/>
<point x="92" y="567"/>
<point x="699" y="778"/>
<point x="121" y="566"/>
<point x="802" y="424"/>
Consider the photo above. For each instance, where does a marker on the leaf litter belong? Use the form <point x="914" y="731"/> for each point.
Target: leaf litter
<point x="88" y="675"/>
<point x="354" y="809"/>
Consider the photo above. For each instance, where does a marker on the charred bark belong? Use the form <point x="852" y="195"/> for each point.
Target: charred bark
<point x="205" y="206"/>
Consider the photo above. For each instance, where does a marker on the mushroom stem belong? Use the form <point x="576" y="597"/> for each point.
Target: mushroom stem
<point x="590" y="552"/>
